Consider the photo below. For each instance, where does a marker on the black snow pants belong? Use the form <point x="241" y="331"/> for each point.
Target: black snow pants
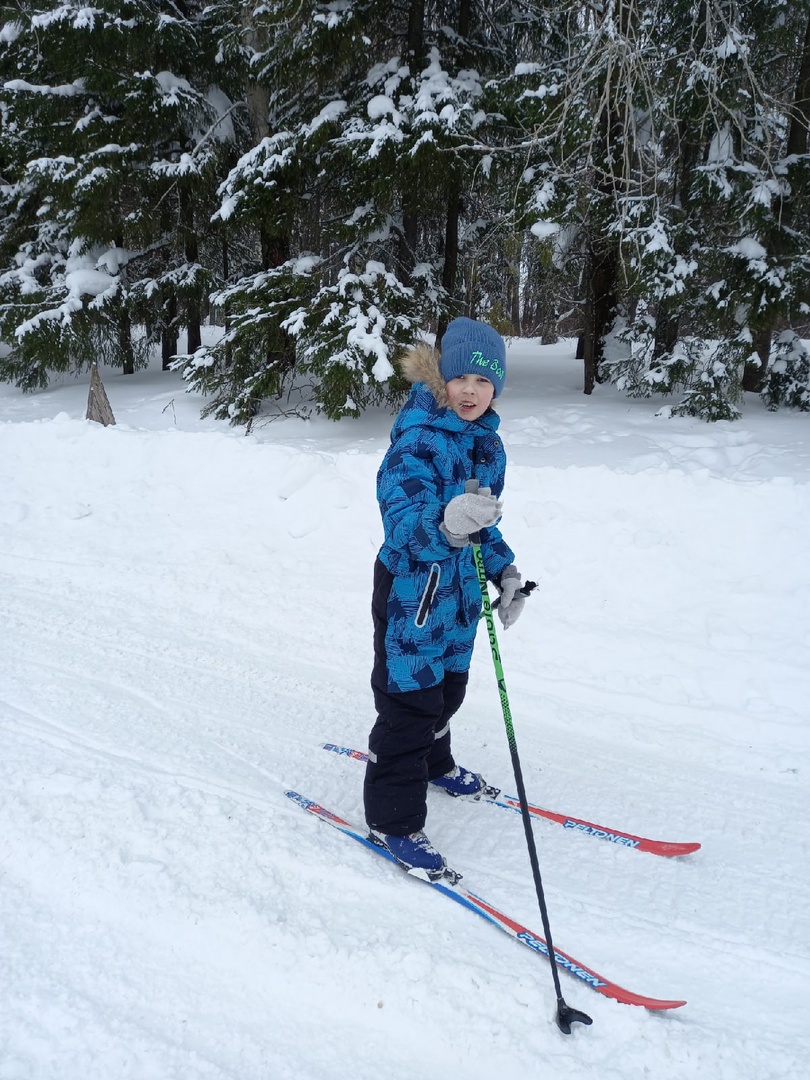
<point x="409" y="744"/>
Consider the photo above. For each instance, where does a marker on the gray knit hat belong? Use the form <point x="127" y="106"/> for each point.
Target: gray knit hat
<point x="470" y="347"/>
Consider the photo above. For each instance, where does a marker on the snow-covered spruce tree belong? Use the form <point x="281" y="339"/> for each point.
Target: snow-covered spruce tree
<point x="370" y="152"/>
<point x="719" y="265"/>
<point x="252" y="359"/>
<point x="752" y="248"/>
<point x="566" y="104"/>
<point x="417" y="139"/>
<point x="511" y="270"/>
<point x="109" y="139"/>
<point x="786" y="380"/>
<point x="658" y="149"/>
<point x="658" y="89"/>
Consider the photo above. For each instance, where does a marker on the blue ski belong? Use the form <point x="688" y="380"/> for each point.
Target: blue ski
<point x="480" y="906"/>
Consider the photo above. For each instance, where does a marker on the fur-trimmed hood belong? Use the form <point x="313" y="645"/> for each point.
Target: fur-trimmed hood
<point x="421" y="364"/>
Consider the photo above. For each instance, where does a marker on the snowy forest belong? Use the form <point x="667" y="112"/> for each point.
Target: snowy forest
<point x="320" y="183"/>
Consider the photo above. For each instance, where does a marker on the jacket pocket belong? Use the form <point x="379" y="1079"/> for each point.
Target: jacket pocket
<point x="429" y="593"/>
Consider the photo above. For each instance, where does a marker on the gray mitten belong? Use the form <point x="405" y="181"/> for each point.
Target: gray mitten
<point x="469" y="513"/>
<point x="512" y="601"/>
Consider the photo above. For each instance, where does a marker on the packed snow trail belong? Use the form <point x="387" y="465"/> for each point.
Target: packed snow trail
<point x="165" y="912"/>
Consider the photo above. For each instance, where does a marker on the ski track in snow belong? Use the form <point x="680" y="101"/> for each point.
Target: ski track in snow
<point x="184" y="620"/>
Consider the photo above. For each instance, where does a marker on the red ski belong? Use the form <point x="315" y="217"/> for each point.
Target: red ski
<point x="601" y="832"/>
<point x="510" y="926"/>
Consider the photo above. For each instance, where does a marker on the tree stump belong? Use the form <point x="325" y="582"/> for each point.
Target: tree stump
<point x="98" y="404"/>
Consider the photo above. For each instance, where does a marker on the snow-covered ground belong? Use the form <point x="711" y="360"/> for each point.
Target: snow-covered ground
<point x="184" y="620"/>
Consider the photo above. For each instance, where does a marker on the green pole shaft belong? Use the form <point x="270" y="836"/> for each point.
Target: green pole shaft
<point x="565" y="1013"/>
<point x="489" y="618"/>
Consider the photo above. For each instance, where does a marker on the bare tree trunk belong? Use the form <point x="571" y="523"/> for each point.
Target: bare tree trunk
<point x="191" y="252"/>
<point x="666" y="331"/>
<point x="415" y="51"/>
<point x="455" y="203"/>
<point x="798" y="143"/>
<point x="257" y="97"/>
<point x="513" y="296"/>
<point x="124" y="320"/>
<point x="410" y="232"/>
<point x="600" y="311"/>
<point x="226" y="274"/>
<point x="754" y="374"/>
<point x="450" y="266"/>
<point x="125" y="341"/>
<point x="168" y="333"/>
<point x="615" y="159"/>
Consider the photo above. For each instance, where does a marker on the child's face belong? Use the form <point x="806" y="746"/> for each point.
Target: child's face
<point x="470" y="396"/>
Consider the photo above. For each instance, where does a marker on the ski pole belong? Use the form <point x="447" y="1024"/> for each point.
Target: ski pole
<point x="566" y="1014"/>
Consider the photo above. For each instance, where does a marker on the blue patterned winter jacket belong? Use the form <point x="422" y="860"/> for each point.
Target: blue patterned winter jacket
<point x="435" y="600"/>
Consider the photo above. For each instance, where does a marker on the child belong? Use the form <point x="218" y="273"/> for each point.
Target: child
<point x="427" y="599"/>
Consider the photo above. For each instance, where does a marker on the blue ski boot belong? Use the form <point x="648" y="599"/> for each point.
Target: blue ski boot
<point x="459" y="782"/>
<point x="414" y="853"/>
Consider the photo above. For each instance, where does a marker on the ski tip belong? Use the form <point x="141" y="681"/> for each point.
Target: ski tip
<point x="624" y="997"/>
<point x="668" y="849"/>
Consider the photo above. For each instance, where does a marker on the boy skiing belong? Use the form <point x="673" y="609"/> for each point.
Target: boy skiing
<point x="427" y="599"/>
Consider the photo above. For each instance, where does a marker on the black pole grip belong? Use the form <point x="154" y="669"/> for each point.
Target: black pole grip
<point x="524" y="590"/>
